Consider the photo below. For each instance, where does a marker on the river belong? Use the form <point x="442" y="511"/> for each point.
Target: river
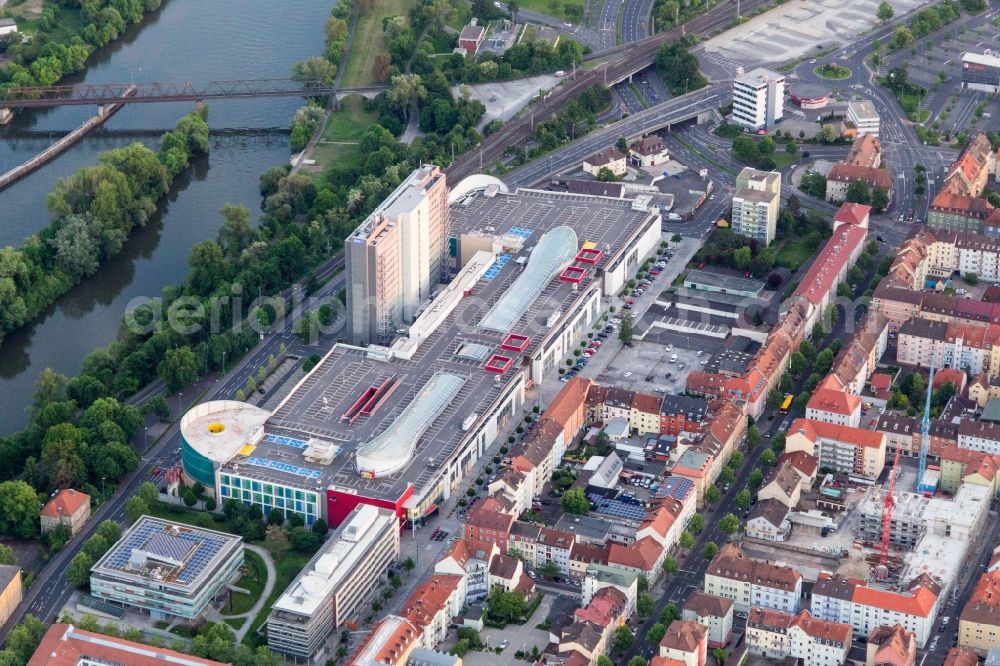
<point x="186" y="40"/>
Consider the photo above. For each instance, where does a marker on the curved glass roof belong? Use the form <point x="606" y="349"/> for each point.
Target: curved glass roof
<point x="554" y="252"/>
<point x="389" y="452"/>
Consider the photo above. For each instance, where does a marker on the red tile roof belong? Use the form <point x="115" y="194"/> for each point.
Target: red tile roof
<point x="641" y="555"/>
<point x="918" y="602"/>
<point x="568" y="401"/>
<point x="818" y="281"/>
<point x="801" y="461"/>
<point x="684" y="636"/>
<point x="836" y="402"/>
<point x="65" y="645"/>
<point x="847" y="434"/>
<point x="67" y="502"/>
<point x="429" y="598"/>
<point x="852" y="213"/>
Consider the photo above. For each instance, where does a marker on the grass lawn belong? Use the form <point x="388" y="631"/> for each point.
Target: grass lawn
<point x="340" y="136"/>
<point x="184" y="631"/>
<point x="253" y="579"/>
<point x="236" y="624"/>
<point x="783" y="159"/>
<point x="831" y="71"/>
<point x="793" y="254"/>
<point x="555" y="8"/>
<point x="369" y="41"/>
<point x="288" y="567"/>
<point x="186" y="516"/>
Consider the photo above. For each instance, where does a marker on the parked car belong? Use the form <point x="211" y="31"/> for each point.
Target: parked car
<point x="628" y="374"/>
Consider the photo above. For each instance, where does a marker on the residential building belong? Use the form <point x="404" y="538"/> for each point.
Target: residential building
<point x="756" y="203"/>
<point x="554" y="546"/>
<point x="392" y="640"/>
<point x="712" y="612"/>
<point x="751" y="582"/>
<point x="833" y="406"/>
<point x="864" y="116"/>
<point x="605" y="470"/>
<point x="166" y="569"/>
<point x="583" y="556"/>
<point x="846" y="449"/>
<point x="336" y="583"/>
<point x="979" y="436"/>
<point x="891" y="646"/>
<point x="600" y="576"/>
<point x="979" y="623"/>
<point x="395" y="259"/>
<point x="866" y="608"/>
<point x="841" y="176"/>
<point x="644" y="557"/>
<point x="522" y="540"/>
<point x="11" y="591"/>
<point x="649" y="151"/>
<point x="471" y="561"/>
<point x="866" y="151"/>
<point x="960" y="466"/>
<point x="804" y="464"/>
<point x="665" y="522"/>
<point x="66" y="645"/>
<point x="777" y="635"/>
<point x="957" y="206"/>
<point x="7" y="26"/>
<point x="682" y="414"/>
<point x="768" y="520"/>
<point x="505" y="572"/>
<point x="686" y="641"/>
<point x="431" y="607"/>
<point x="610" y="158"/>
<point x="758" y="98"/>
<point x="69" y="507"/>
<point x="958" y="656"/>
<point x="608" y="609"/>
<point x="585" y="638"/>
<point x="486" y="522"/>
<point x="783" y="484"/>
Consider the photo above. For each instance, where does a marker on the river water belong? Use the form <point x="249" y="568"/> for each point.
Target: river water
<point x="186" y="40"/>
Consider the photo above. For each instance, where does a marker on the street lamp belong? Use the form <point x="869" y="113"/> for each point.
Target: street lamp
<point x="180" y="397"/>
<point x="145" y="439"/>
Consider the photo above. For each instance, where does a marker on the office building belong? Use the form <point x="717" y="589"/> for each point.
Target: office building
<point x="396" y="258"/>
<point x="166" y="569"/>
<point x="331" y="589"/>
<point x="758" y="98"/>
<point x="864" y="116"/>
<point x="756" y="203"/>
<point x="981" y="72"/>
<point x="11" y="591"/>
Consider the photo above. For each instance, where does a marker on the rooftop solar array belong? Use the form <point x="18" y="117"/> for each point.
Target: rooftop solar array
<point x="287" y="441"/>
<point x="284" y="467"/>
<point x="194" y="548"/>
<point x="617" y="508"/>
<point x="676" y="487"/>
<point x="521" y="231"/>
<point x="553" y="252"/>
<point x="495" y="269"/>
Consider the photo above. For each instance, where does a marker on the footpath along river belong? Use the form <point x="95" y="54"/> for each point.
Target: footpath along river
<point x="186" y="40"/>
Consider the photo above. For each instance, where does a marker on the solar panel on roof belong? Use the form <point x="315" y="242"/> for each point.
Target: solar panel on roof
<point x="170" y="547"/>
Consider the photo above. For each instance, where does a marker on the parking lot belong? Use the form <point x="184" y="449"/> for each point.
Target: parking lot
<point x="645" y="366"/>
<point x="518" y="637"/>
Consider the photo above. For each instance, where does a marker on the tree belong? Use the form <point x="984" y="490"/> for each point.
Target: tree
<point x="670" y="566"/>
<point x="712" y="494"/>
<point x="19" y="507"/>
<point x="972" y="278"/>
<point x="606" y="175"/>
<point x="756" y="478"/>
<point x="78" y="571"/>
<point x="7" y="555"/>
<point x="135" y="508"/>
<point x="178" y="368"/>
<point x="729" y="523"/>
<point x="686" y="540"/>
<point x="644" y="605"/>
<point x="884" y="11"/>
<point x="409" y="564"/>
<point x="624" y="638"/>
<point x="797" y="363"/>
<point x="774" y="399"/>
<point x="189" y="498"/>
<point x="148" y="493"/>
<point x="727" y="476"/>
<point x="721" y="654"/>
<point x="605" y="660"/>
<point x="742" y="500"/>
<point x="742" y="257"/>
<point x="753" y="436"/>
<point x="625" y="331"/>
<point x="575" y="501"/>
<point x="880" y="199"/>
<point x="320" y="528"/>
<point x="506" y="606"/>
<point x="858" y="192"/>
<point x="709" y="551"/>
<point x="622" y="145"/>
<point x="697" y="523"/>
<point x="670" y="613"/>
<point x="549" y="570"/>
<point x="656" y="633"/>
<point x="637" y="660"/>
<point x="406" y="92"/>
<point x="314" y="70"/>
<point x="276" y="541"/>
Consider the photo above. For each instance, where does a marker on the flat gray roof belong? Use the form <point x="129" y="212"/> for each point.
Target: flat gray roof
<point x="315" y="408"/>
<point x="728" y="282"/>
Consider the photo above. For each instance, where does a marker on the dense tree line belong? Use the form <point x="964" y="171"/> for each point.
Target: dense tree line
<point x="931" y="19"/>
<point x="521" y="60"/>
<point x="42" y="61"/>
<point x="678" y="67"/>
<point x="575" y="119"/>
<point x="93" y="212"/>
<point x="669" y="14"/>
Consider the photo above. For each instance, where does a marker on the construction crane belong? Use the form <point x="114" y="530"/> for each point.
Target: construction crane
<point x="890" y="500"/>
<point x="925" y="434"/>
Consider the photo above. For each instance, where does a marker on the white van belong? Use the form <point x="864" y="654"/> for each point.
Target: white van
<point x="673" y="358"/>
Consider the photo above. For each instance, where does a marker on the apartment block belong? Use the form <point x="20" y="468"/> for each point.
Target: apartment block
<point x="864" y="116"/>
<point x="750" y="582"/>
<point x="979" y="623"/>
<point x="758" y="98"/>
<point x="845" y="449"/>
<point x="714" y="613"/>
<point x="778" y="635"/>
<point x="756" y="203"/>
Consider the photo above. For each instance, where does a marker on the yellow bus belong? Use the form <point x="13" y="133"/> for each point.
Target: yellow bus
<point x="787" y="403"/>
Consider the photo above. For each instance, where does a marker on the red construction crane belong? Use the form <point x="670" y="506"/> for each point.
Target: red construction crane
<point x="887" y="507"/>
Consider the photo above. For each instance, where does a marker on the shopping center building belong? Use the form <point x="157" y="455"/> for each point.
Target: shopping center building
<point x="399" y="426"/>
